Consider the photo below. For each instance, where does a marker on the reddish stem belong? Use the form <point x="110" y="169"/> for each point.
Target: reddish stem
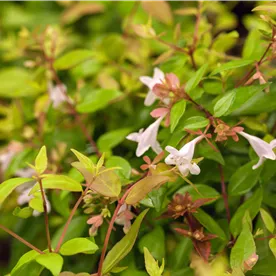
<point x="20" y="239"/>
<point x="224" y="193"/>
<point x="70" y="218"/>
<point x="46" y="219"/>
<point x="110" y="227"/>
<point x="248" y="74"/>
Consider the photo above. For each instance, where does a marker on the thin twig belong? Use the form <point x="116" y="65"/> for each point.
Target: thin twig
<point x="110" y="227"/>
<point x="46" y="219"/>
<point x="20" y="239"/>
<point x="224" y="193"/>
<point x="62" y="236"/>
<point x="248" y="74"/>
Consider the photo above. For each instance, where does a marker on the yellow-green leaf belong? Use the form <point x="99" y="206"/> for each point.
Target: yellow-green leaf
<point x="41" y="160"/>
<point x="144" y="186"/>
<point x="78" y="245"/>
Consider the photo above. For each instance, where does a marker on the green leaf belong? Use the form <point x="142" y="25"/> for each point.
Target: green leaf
<point x="41" y="161"/>
<point x="224" y="103"/>
<point x="36" y="202"/>
<point x="259" y="102"/>
<point x="177" y="112"/>
<point x="206" y="151"/>
<point x="22" y="87"/>
<point x="204" y="190"/>
<point x="155" y="242"/>
<point x="268" y="220"/>
<point x="97" y="99"/>
<point x="272" y="246"/>
<point x="244" y="94"/>
<point x="195" y="122"/>
<point x="25" y="212"/>
<point x="152" y="266"/>
<point x="243" y="249"/>
<point x="111" y="139"/>
<point x="209" y="223"/>
<point x="24" y="259"/>
<point x="84" y="160"/>
<point x="61" y="182"/>
<point x="117" y="161"/>
<point x="51" y="261"/>
<point x="244" y="179"/>
<point x="143" y="187"/>
<point x="8" y="186"/>
<point x="78" y="245"/>
<point x="269" y="7"/>
<point x="72" y="59"/>
<point x="232" y="65"/>
<point x="75" y="230"/>
<point x="124" y="246"/>
<point x="195" y="80"/>
<point x="252" y="205"/>
<point x="107" y="183"/>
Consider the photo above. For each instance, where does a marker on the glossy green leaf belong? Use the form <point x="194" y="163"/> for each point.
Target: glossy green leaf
<point x="151" y="264"/>
<point x="97" y="99"/>
<point x="259" y="102"/>
<point x="8" y="186"/>
<point x="78" y="245"/>
<point x="26" y="258"/>
<point x="72" y="58"/>
<point x="117" y="161"/>
<point x="208" y="152"/>
<point x="111" y="139"/>
<point x="243" y="249"/>
<point x="143" y="187"/>
<point x="107" y="183"/>
<point x="224" y="103"/>
<point x="36" y="202"/>
<point x="268" y="220"/>
<point x="84" y="160"/>
<point x="155" y="242"/>
<point x="204" y="190"/>
<point x="25" y="212"/>
<point x="252" y="205"/>
<point x="61" y="182"/>
<point x="209" y="223"/>
<point x="52" y="261"/>
<point x="41" y="161"/>
<point x="124" y="246"/>
<point x="195" y="122"/>
<point x="195" y="80"/>
<point x="177" y="112"/>
<point x="232" y="65"/>
<point x="244" y="179"/>
<point x="272" y="246"/>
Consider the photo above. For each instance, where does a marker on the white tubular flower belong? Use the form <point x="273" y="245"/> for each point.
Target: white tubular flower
<point x="124" y="217"/>
<point x="158" y="77"/>
<point x="183" y="158"/>
<point x="263" y="149"/>
<point x="57" y="94"/>
<point x="147" y="138"/>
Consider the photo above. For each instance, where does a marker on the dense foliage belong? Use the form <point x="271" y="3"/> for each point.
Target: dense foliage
<point x="137" y="138"/>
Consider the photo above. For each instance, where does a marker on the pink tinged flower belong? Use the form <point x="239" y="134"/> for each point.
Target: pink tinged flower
<point x="263" y="149"/>
<point x="183" y="158"/>
<point x="124" y="217"/>
<point x="9" y="152"/>
<point x="96" y="222"/>
<point x="147" y="138"/>
<point x="57" y="94"/>
<point x="158" y="77"/>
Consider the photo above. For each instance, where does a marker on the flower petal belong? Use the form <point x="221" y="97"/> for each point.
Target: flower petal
<point x="188" y="149"/>
<point x="150" y="98"/>
<point x="194" y="169"/>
